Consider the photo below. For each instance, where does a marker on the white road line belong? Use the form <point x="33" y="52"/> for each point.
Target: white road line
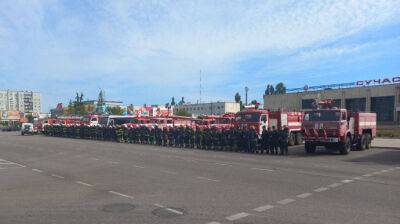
<point x="334" y="185"/>
<point x="120" y="194"/>
<point x="262" y="169"/>
<point x="223" y="164"/>
<point x="377" y="172"/>
<point x="398" y="167"/>
<point x="237" y="216"/>
<point x="285" y="201"/>
<point x="205" y="178"/>
<point x="18" y="164"/>
<point x="305" y="195"/>
<point x="158" y="205"/>
<point x="5" y="163"/>
<point x="141" y="167"/>
<point x="367" y="175"/>
<point x="169" y="172"/>
<point x="83" y="183"/>
<point x="58" y="176"/>
<point x="213" y="222"/>
<point x="37" y="170"/>
<point x="384" y="171"/>
<point x="357" y="178"/>
<point x="263" y="208"/>
<point x="174" y="211"/>
<point x="321" y="189"/>
<point x="346" y="181"/>
<point x="94" y="158"/>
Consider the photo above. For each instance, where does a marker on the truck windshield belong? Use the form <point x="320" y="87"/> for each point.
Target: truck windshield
<point x="322" y="116"/>
<point x="250" y="117"/>
<point x="223" y="121"/>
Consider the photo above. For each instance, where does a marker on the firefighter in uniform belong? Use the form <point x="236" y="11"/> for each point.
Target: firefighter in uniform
<point x="284" y="141"/>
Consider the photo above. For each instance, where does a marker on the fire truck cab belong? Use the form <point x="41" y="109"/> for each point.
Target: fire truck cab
<point x="253" y="118"/>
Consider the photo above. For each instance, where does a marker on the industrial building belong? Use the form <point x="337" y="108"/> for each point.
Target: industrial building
<point x="217" y="108"/>
<point x="380" y="95"/>
<point x="21" y="101"/>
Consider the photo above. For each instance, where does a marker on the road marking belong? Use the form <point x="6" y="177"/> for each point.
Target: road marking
<point x="285" y="201"/>
<point x="169" y="172"/>
<point x="346" y="181"/>
<point x="263" y="208"/>
<point x="398" y="167"/>
<point x="120" y="194"/>
<point x="321" y="189"/>
<point x="174" y="211"/>
<point x="205" y="178"/>
<point x="237" y="216"/>
<point x="58" y="176"/>
<point x="94" y="158"/>
<point x="83" y="183"/>
<point x="377" y="172"/>
<point x="18" y="164"/>
<point x="37" y="170"/>
<point x="334" y="185"/>
<point x="384" y="171"/>
<point x="305" y="195"/>
<point x="367" y="175"/>
<point x="262" y="169"/>
<point x="213" y="222"/>
<point x="141" y="167"/>
<point x="223" y="164"/>
<point x="158" y="205"/>
<point x="357" y="178"/>
<point x="112" y="162"/>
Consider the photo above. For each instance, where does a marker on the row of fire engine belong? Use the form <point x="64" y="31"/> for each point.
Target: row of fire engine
<point x="333" y="128"/>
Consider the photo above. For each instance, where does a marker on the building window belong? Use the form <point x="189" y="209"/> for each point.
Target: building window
<point x="356" y="104"/>
<point x="307" y="104"/>
<point x="383" y="107"/>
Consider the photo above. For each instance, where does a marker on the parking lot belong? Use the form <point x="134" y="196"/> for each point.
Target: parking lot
<point x="60" y="180"/>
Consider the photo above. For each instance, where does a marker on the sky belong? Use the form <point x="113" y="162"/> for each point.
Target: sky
<point x="148" y="51"/>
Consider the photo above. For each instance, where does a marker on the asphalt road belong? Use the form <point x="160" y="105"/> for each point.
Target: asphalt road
<point x="58" y="180"/>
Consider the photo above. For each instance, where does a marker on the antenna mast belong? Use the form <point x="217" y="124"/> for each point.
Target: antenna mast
<point x="200" y="86"/>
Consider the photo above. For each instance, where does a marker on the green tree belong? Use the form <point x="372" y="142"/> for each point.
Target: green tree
<point x="253" y="102"/>
<point x="100" y="102"/>
<point x="237" y="98"/>
<point x="280" y="88"/>
<point x="30" y="118"/>
<point x="269" y="90"/>
<point x="115" y="110"/>
<point x="182" y="112"/>
<point x="173" y="101"/>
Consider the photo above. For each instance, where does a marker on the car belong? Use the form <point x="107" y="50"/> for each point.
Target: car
<point x="27" y="129"/>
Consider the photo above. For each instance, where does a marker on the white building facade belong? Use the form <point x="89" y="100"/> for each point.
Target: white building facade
<point x="22" y="101"/>
<point x="217" y="108"/>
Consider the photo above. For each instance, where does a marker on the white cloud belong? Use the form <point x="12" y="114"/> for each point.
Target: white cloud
<point x="168" y="42"/>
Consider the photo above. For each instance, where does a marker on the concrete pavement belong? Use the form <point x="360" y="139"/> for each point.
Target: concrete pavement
<point x="58" y="180"/>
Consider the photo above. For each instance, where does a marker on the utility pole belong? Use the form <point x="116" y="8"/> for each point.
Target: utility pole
<point x="200" y="86"/>
<point x="247" y="90"/>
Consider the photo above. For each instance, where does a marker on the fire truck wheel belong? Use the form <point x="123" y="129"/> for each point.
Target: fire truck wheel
<point x="362" y="144"/>
<point x="368" y="146"/>
<point x="291" y="139"/>
<point x="345" y="146"/>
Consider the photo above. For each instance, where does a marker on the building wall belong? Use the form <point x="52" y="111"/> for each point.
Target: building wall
<point x="23" y="101"/>
<point x="217" y="108"/>
<point x="293" y="101"/>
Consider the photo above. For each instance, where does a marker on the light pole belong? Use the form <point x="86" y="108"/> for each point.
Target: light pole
<point x="247" y="90"/>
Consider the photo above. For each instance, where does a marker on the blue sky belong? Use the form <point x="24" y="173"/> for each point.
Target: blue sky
<point x="147" y="51"/>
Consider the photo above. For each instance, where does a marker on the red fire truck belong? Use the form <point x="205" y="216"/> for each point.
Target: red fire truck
<point x="279" y="119"/>
<point x="338" y="129"/>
